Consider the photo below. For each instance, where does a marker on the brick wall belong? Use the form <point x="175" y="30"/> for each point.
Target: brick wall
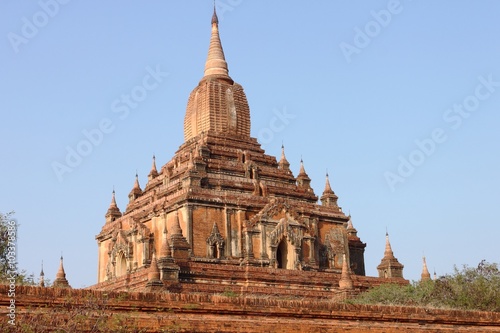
<point x="172" y="312"/>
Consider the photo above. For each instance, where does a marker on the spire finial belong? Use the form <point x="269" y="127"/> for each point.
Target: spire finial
<point x="215" y="19"/>
<point x="216" y="62"/>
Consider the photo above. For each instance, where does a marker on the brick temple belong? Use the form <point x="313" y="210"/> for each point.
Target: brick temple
<point x="222" y="215"/>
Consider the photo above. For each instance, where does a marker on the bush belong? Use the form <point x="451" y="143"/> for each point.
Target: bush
<point x="467" y="289"/>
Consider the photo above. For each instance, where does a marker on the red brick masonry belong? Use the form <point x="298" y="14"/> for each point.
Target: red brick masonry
<point x="171" y="312"/>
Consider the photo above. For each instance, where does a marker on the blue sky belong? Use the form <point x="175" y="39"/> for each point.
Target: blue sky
<point x="398" y="100"/>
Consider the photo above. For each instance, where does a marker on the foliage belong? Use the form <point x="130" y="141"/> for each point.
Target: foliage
<point x="468" y="289"/>
<point x="8" y="252"/>
<point x="229" y="293"/>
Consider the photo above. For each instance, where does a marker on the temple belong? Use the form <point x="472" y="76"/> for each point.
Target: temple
<point x="224" y="215"/>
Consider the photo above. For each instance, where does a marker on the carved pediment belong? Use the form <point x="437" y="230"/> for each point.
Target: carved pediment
<point x="215" y="237"/>
<point x="277" y="209"/>
<point x="285" y="229"/>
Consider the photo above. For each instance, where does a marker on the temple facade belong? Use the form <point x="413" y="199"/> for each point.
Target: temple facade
<point x="222" y="204"/>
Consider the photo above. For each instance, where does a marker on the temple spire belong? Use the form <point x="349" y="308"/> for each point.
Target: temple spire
<point x="329" y="198"/>
<point x="345" y="282"/>
<point x="136" y="190"/>
<point x="302" y="170"/>
<point x="42" y="277"/>
<point x="216" y="62"/>
<point x="425" y="276"/>
<point x="328" y="188"/>
<point x="389" y="266"/>
<point x="113" y="200"/>
<point x="113" y="212"/>
<point x="283" y="163"/>
<point x="154" y="274"/>
<point x="61" y="281"/>
<point x="154" y="172"/>
<point x="388" y="253"/>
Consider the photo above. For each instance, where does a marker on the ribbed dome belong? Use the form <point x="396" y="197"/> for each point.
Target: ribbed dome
<point x="217" y="104"/>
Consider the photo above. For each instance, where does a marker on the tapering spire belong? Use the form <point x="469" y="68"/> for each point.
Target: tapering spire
<point x="176" y="227"/>
<point x="154" y="274"/>
<point x="180" y="248"/>
<point x="60" y="272"/>
<point x="42" y="277"/>
<point x="388" y="249"/>
<point x="283" y="163"/>
<point x="302" y="170"/>
<point x="216" y="62"/>
<point x="136" y="183"/>
<point x="113" y="212"/>
<point x="389" y="266"/>
<point x="352" y="233"/>
<point x="303" y="179"/>
<point x="345" y="282"/>
<point x="113" y="200"/>
<point x="154" y="172"/>
<point x="425" y="276"/>
<point x="136" y="190"/>
<point x="328" y="188"/>
<point x="329" y="198"/>
<point x="215" y="19"/>
<point x="165" y="246"/>
<point x="61" y="281"/>
<point x="349" y="223"/>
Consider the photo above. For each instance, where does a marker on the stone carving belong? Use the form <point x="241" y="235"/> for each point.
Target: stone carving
<point x="215" y="243"/>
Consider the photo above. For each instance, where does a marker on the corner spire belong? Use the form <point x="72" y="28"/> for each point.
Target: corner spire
<point x="329" y="198"/>
<point x="216" y="62"/>
<point x="328" y="188"/>
<point x="154" y="274"/>
<point x="283" y="163"/>
<point x="154" y="172"/>
<point x="113" y="212"/>
<point x="345" y="282"/>
<point x="136" y="190"/>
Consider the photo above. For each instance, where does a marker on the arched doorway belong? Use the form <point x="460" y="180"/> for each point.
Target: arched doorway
<point x="282" y="254"/>
<point x="121" y="265"/>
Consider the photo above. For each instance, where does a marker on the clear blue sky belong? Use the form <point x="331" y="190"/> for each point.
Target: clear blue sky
<point x="361" y="81"/>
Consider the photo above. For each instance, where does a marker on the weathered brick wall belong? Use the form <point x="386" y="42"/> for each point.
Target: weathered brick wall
<point x="217" y="313"/>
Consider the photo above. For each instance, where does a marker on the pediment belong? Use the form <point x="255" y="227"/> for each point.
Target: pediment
<point x="276" y="210"/>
